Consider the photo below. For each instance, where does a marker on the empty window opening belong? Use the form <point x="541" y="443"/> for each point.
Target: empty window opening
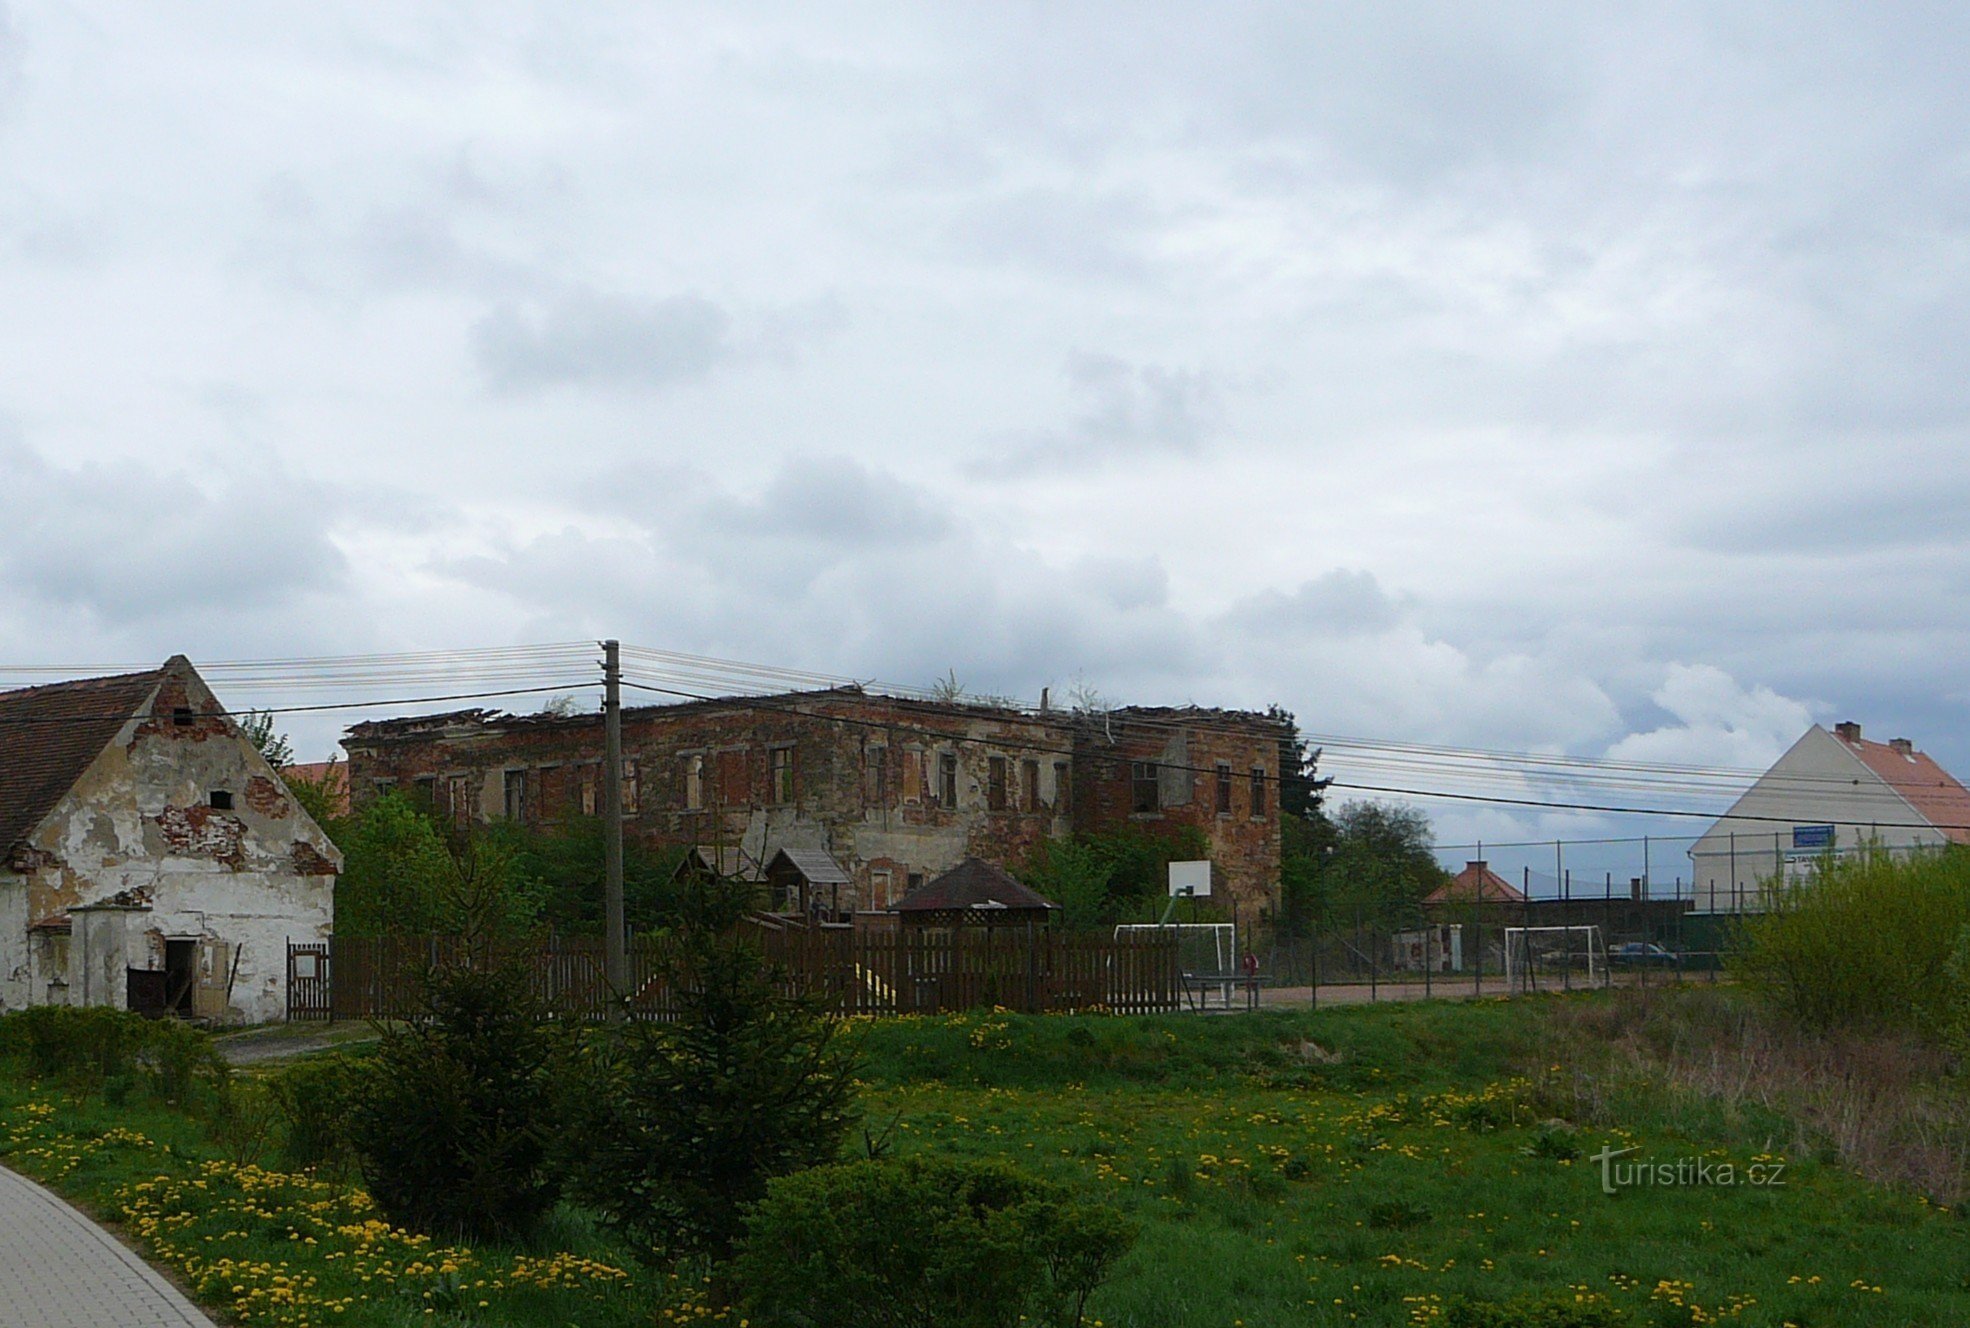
<point x="1258" y="791"/>
<point x="222" y="800"/>
<point x="1029" y="779"/>
<point x="947" y="778"/>
<point x="1224" y="789"/>
<point x="779" y="774"/>
<point x="1143" y="787"/>
<point x="995" y="783"/>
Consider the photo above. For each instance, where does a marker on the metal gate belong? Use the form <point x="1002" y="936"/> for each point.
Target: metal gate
<point x="308" y="986"/>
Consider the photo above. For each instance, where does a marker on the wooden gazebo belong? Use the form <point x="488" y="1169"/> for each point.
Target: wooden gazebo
<point x="974" y="894"/>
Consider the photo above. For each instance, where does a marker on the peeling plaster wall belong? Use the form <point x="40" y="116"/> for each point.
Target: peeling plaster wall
<point x="866" y="776"/>
<point x="139" y="828"/>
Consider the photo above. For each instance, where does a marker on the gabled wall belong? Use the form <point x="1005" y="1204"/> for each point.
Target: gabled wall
<point x="138" y="828"/>
<point x="1819" y="781"/>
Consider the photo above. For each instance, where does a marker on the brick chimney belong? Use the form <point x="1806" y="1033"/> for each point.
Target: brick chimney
<point x="1848" y="731"/>
<point x="1902" y="745"/>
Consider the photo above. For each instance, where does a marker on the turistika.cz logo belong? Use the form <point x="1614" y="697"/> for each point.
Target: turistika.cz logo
<point x="1716" y="1173"/>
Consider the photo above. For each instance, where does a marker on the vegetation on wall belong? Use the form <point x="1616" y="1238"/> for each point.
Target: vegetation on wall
<point x="406" y="873"/>
<point x="1118" y="876"/>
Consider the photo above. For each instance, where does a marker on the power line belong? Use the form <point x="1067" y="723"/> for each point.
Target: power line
<point x="1002" y="743"/>
<point x="301" y="709"/>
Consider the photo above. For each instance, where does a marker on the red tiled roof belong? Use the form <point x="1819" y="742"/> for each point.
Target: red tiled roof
<point x="973" y="883"/>
<point x="1929" y="788"/>
<point x="315" y="772"/>
<point x="1477" y="883"/>
<point x="48" y="737"/>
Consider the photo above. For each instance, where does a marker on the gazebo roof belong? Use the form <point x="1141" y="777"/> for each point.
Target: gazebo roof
<point x="973" y="884"/>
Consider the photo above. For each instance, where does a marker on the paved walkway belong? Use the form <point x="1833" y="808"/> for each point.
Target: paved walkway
<point x="60" y="1270"/>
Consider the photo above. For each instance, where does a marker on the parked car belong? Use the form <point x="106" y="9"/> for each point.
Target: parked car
<point x="1642" y="954"/>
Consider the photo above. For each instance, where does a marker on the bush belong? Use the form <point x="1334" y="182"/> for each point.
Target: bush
<point x="924" y="1243"/>
<point x="317" y="1099"/>
<point x="682" y="1124"/>
<point x="1865" y="943"/>
<point x="453" y="1118"/>
<point x="95" y="1047"/>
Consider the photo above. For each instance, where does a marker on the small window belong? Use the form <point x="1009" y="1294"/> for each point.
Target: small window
<point x="915" y="880"/>
<point x="1224" y="789"/>
<point x="632" y="789"/>
<point x="947" y="778"/>
<point x="516" y="795"/>
<point x="694" y="782"/>
<point x="1258" y="792"/>
<point x="182" y="717"/>
<point x="779" y="774"/>
<point x="425" y="787"/>
<point x="1029" y="780"/>
<point x="1144" y="796"/>
<point x="995" y="783"/>
<point x="222" y="800"/>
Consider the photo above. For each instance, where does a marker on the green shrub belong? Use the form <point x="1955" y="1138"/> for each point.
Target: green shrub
<point x="681" y="1124"/>
<point x="1865" y="943"/>
<point x="453" y="1117"/>
<point x="95" y="1047"/>
<point x="316" y="1099"/>
<point x="924" y="1243"/>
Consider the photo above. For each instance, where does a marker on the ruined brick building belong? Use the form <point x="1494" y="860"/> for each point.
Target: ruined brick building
<point x="150" y="858"/>
<point x="894" y="790"/>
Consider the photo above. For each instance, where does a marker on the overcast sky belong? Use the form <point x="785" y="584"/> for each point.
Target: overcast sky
<point x="1523" y="377"/>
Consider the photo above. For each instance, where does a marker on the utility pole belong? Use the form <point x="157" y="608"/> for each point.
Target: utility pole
<point x="615" y="967"/>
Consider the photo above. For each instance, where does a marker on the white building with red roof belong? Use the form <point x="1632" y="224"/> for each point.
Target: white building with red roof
<point x="1834" y="792"/>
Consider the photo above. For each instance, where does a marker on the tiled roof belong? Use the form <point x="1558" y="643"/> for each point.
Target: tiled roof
<point x="1477" y="883"/>
<point x="816" y="866"/>
<point x="48" y="737"/>
<point x="334" y="773"/>
<point x="973" y="883"/>
<point x="1929" y="788"/>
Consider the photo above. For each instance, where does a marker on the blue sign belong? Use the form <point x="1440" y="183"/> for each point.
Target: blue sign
<point x="1812" y="836"/>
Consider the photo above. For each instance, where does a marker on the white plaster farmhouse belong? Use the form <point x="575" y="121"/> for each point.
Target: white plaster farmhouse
<point x="150" y="858"/>
<point x="1833" y="792"/>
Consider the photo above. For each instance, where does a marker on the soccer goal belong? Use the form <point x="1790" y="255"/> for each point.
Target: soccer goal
<point x="1538" y="957"/>
<point x="1202" y="947"/>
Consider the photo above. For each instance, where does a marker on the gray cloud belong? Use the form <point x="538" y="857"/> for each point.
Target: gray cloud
<point x="1344" y="601"/>
<point x="587" y="339"/>
<point x="1122" y="411"/>
<point x="131" y="543"/>
<point x="594" y="340"/>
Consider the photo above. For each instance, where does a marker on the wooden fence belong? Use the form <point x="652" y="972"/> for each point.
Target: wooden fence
<point x="861" y="972"/>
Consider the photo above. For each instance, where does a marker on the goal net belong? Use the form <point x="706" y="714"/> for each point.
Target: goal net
<point x="1538" y="957"/>
<point x="1202" y="947"/>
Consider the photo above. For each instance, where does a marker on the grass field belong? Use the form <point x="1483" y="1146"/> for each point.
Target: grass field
<point x="1367" y="1165"/>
